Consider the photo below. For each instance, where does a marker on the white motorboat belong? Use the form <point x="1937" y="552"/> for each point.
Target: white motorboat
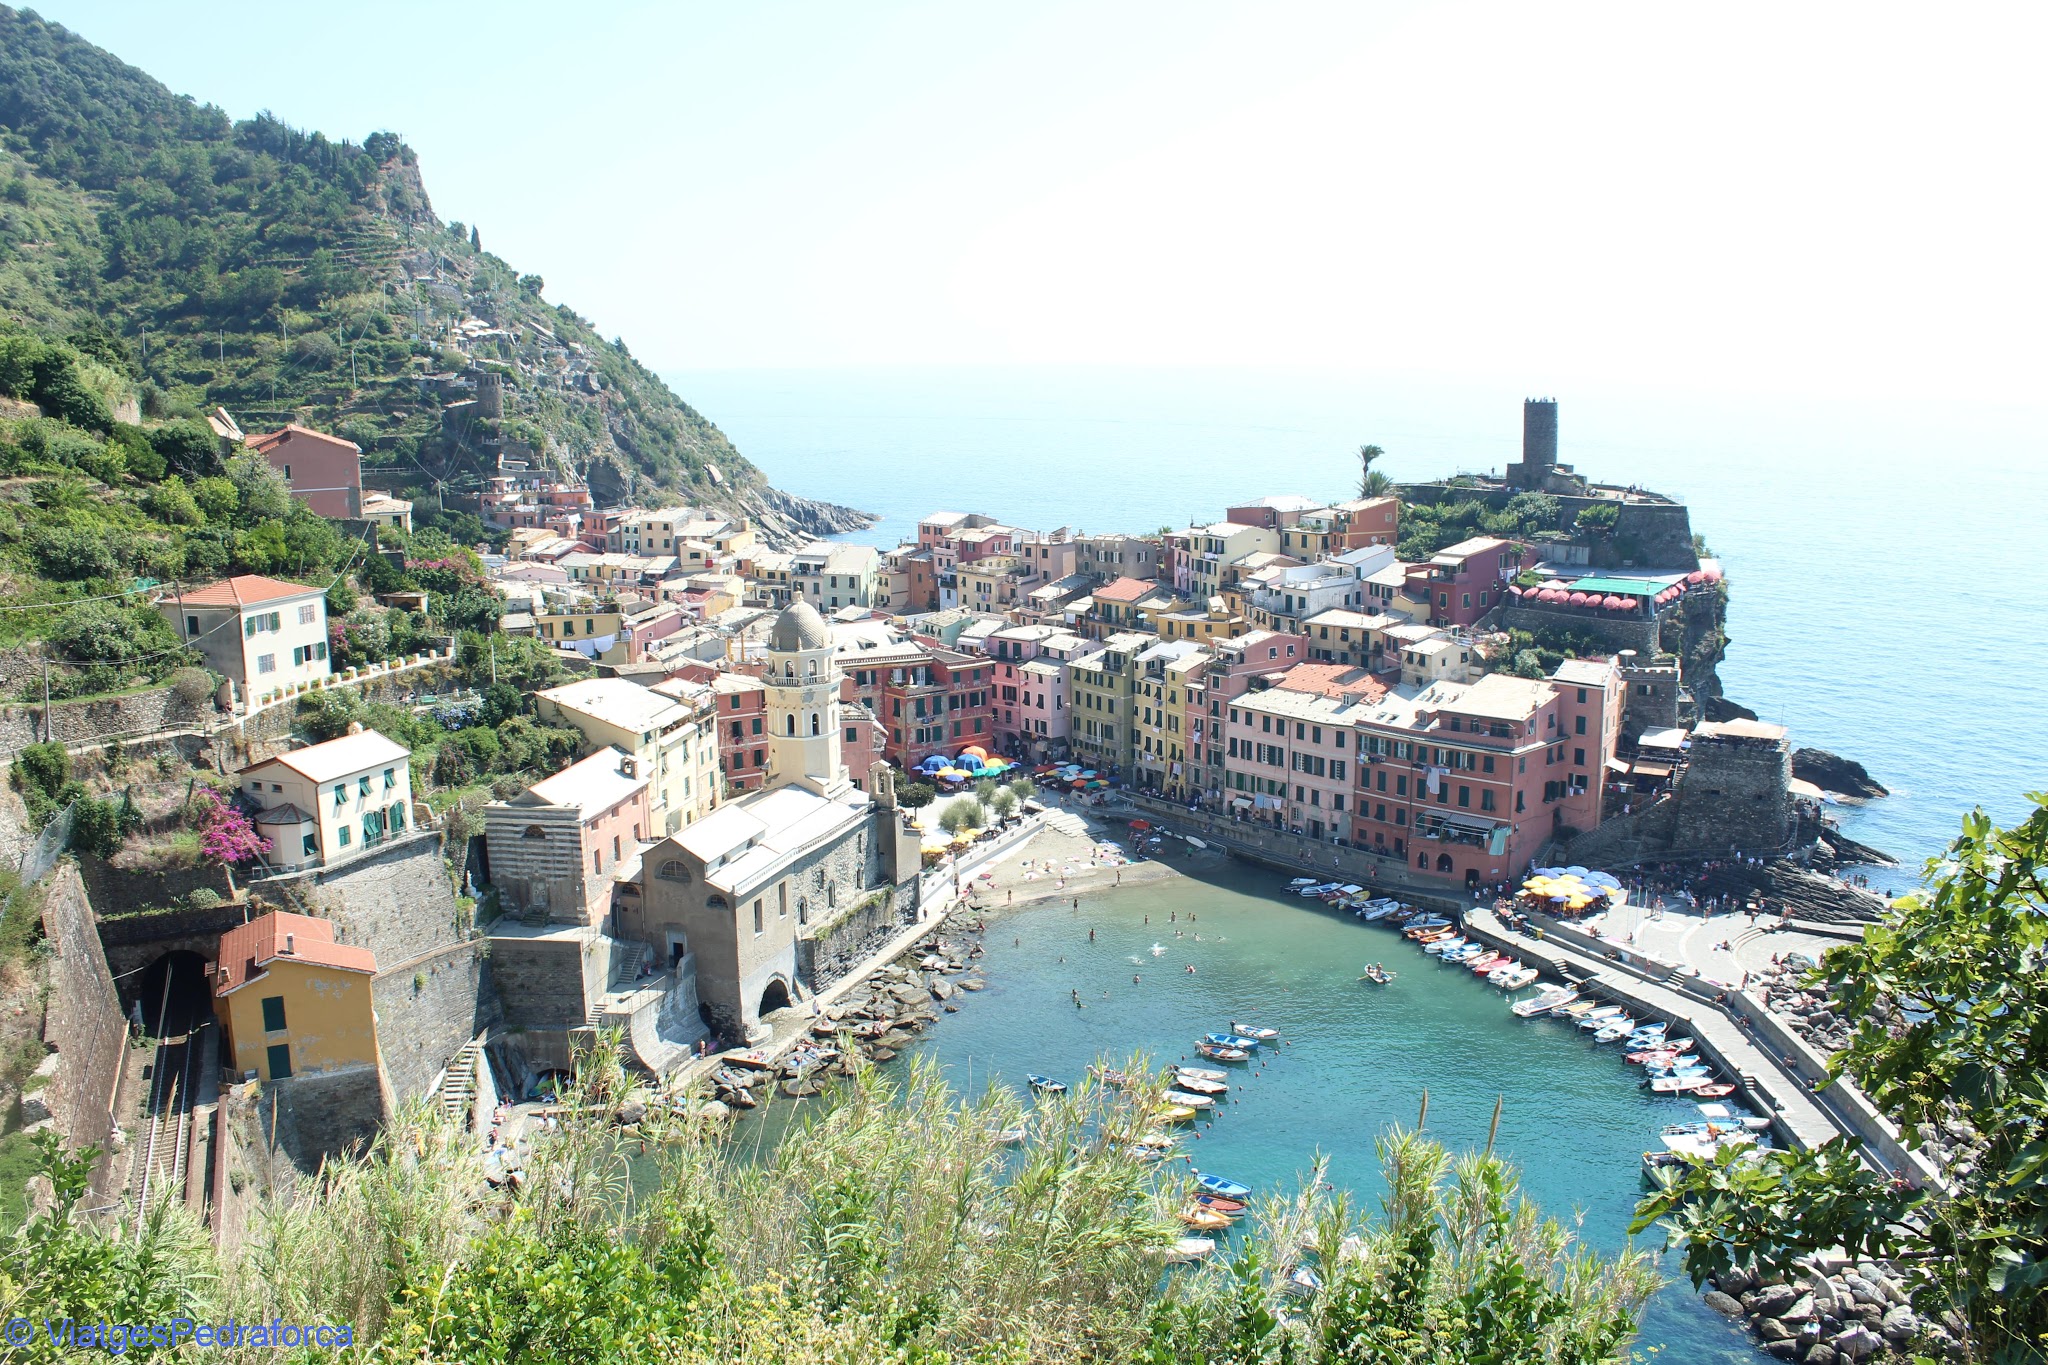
<point x="1544" y="1001"/>
<point x="1190" y="1249"/>
<point x="1439" y="947"/>
<point x="1190" y="1099"/>
<point x="1515" y="980"/>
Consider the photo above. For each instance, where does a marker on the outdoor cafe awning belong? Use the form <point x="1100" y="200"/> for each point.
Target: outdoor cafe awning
<point x="1656" y="770"/>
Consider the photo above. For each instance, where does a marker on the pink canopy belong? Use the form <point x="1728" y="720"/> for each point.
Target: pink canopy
<point x="1696" y="576"/>
<point x="1713" y="574"/>
<point x="1580" y="599"/>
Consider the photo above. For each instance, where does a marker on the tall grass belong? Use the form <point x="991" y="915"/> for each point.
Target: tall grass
<point x="894" y="1224"/>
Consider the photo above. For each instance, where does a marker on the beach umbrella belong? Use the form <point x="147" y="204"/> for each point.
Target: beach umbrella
<point x="951" y="774"/>
<point x="974" y="749"/>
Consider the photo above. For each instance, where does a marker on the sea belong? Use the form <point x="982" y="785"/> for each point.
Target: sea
<point x="1866" y="614"/>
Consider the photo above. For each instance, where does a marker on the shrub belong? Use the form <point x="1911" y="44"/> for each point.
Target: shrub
<point x="42" y="767"/>
<point x="327" y="715"/>
<point x="1003" y="803"/>
<point x="962" y="815"/>
<point x="194" y="686"/>
<point x="225" y="834"/>
<point x="916" y="795"/>
<point x="261" y="491"/>
<point x="96" y="827"/>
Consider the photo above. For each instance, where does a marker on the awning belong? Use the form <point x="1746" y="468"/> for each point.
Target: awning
<point x="1479" y="823"/>
<point x="1666" y="737"/>
<point x="1801" y="787"/>
<point x="1240" y="801"/>
<point x="1657" y="770"/>
<point x="1619" y="765"/>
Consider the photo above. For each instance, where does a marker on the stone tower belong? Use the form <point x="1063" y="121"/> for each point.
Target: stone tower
<point x="1539" y="445"/>
<point x="803" y="704"/>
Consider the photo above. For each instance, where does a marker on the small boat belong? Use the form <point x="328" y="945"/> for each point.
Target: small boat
<point x="1189" y="1099"/>
<point x="1514" y="980"/>
<point x="1046" y="1085"/>
<point x="1217" y="1053"/>
<point x="1646" y="1056"/>
<point x="1499" y="967"/>
<point x="1437" y="947"/>
<point x="1264" y="1035"/>
<point x="1721" y="1114"/>
<point x="1717" y="1090"/>
<point x="1204" y="1220"/>
<point x="1173" y="1113"/>
<point x="1613" y="1033"/>
<point x="1232" y="1040"/>
<point x="1659" y="1027"/>
<point x="1229" y="1189"/>
<point x="1299" y="882"/>
<point x="1302" y="1282"/>
<point x="1481" y="963"/>
<point x="1600" y="1016"/>
<point x="1229" y="1208"/>
<point x="1116" y="1080"/>
<point x="1190" y="1249"/>
<point x="1679" y="1085"/>
<point x="1008" y="1137"/>
<point x="1378" y="975"/>
<point x="1420" y="928"/>
<point x="1547" y="1002"/>
<point x="1197" y="1085"/>
<point x="1376" y="910"/>
<point x="1201" y="1073"/>
<point x="1156" y="1141"/>
<point x="754" y="1059"/>
<point x="1680" y="1045"/>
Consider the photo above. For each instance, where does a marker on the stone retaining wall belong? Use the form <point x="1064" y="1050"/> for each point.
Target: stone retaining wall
<point x="427" y="1009"/>
<point x="82" y="1020"/>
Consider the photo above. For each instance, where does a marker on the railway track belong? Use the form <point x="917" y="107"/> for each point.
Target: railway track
<point x="159" y="1167"/>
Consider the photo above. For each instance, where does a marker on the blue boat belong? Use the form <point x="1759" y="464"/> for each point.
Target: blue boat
<point x="1229" y="1189"/>
<point x="1046" y="1085"/>
<point x="1230" y="1040"/>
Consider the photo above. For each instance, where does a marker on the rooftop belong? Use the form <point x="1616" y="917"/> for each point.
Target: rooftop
<point x="247" y="949"/>
<point x="1583" y="672"/>
<point x="749" y="837"/>
<point x="591" y="785"/>
<point x="264" y="441"/>
<point x="342" y="757"/>
<point x="1500" y="697"/>
<point x="1124" y="590"/>
<point x="616" y="702"/>
<point x="1465" y="549"/>
<point x="1738" y="729"/>
<point x="243" y="590"/>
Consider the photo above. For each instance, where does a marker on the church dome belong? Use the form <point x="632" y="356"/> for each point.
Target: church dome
<point x="799" y="627"/>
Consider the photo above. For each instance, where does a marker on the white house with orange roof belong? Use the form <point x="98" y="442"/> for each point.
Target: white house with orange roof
<point x="261" y="633"/>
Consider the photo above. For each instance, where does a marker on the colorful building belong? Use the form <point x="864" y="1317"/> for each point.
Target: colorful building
<point x="291" y="1000"/>
<point x="329" y="802"/>
<point x="670" y="737"/>
<point x="325" y="472"/>
<point x="1101" y="688"/>
<point x="1465" y="581"/>
<point x="262" y="634"/>
<point x="556" y="850"/>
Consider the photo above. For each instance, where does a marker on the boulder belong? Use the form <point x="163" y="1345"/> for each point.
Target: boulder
<point x="1899" y="1324"/>
<point x="1783" y="1350"/>
<point x="1721" y="1303"/>
<point x="973" y="983"/>
<point x="1772" y="1301"/>
<point x="1770" y="1329"/>
<point x="1833" y="773"/>
<point x="1856" y="1343"/>
<point x="1820" y="1355"/>
<point x="1735" y="1280"/>
<point x="942" y="989"/>
<point x="1800" y="1311"/>
<point x="631" y="1112"/>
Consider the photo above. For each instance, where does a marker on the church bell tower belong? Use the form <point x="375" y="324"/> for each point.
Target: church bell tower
<point x="803" y="705"/>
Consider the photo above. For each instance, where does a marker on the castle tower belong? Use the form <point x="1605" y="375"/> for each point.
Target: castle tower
<point x="803" y="704"/>
<point x="1539" y="434"/>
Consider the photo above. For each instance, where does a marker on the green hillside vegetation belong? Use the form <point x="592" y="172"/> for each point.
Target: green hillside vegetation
<point x="196" y="261"/>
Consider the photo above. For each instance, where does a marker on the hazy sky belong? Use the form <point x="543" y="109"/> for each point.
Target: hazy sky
<point x="1838" y="200"/>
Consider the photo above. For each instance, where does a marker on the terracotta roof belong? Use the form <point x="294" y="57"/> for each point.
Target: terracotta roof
<point x="248" y="949"/>
<point x="243" y="590"/>
<point x="1333" y="680"/>
<point x="264" y="441"/>
<point x="1124" y="590"/>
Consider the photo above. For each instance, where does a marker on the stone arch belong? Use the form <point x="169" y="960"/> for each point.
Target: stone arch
<point x="174" y="993"/>
<point x="774" y="996"/>
<point x="1443" y="862"/>
<point x="815" y="724"/>
<point x="674" y="870"/>
<point x="534" y="832"/>
<point x="789" y="723"/>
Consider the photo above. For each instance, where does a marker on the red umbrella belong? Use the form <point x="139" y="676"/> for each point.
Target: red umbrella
<point x="1580" y="599"/>
<point x="1696" y="576"/>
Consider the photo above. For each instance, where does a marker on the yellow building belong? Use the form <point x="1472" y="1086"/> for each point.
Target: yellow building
<point x="577" y="627"/>
<point x="1101" y="688"/>
<point x="326" y="803"/>
<point x="1159" y="712"/>
<point x="673" y="737"/>
<point x="291" y="999"/>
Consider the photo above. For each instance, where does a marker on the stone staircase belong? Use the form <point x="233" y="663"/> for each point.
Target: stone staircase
<point x="458" y="1083"/>
<point x="1066" y="822"/>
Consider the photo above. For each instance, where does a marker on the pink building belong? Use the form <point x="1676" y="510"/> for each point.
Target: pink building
<point x="325" y="472"/>
<point x="1235" y="664"/>
<point x="1465" y="581"/>
<point x="742" y="705"/>
<point x="559" y="849"/>
<point x="1467" y="781"/>
<point x="1291" y="755"/>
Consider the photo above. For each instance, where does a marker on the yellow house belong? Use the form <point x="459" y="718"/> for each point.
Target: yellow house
<point x="293" y="1000"/>
<point x="579" y="627"/>
<point x="326" y="803"/>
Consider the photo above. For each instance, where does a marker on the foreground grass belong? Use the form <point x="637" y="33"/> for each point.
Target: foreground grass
<point x="894" y="1226"/>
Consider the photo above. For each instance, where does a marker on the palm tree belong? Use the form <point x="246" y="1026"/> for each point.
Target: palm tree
<point x="1372" y="483"/>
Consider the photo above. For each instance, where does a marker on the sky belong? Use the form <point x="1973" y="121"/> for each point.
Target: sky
<point x="1837" y="200"/>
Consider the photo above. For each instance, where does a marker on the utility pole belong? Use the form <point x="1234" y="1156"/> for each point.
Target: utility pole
<point x="47" y="734"/>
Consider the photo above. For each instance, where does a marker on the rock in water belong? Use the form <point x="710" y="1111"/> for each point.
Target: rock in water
<point x="1722" y="1303"/>
<point x="1833" y="773"/>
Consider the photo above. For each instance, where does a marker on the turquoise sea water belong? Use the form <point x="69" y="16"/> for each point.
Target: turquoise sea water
<point x="1356" y="1060"/>
<point x="1882" y="606"/>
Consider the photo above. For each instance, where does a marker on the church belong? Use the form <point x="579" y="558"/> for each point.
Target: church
<point x="778" y="893"/>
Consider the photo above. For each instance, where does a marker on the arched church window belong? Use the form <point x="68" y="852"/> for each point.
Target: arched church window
<point x="534" y="832"/>
<point x="674" y="870"/>
<point x="790" y="724"/>
<point x="814" y="723"/>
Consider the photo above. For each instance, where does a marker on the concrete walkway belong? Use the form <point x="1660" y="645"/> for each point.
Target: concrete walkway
<point x="1799" y="1116"/>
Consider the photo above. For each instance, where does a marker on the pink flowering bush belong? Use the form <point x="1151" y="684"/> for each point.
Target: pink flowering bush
<point x="225" y="834"/>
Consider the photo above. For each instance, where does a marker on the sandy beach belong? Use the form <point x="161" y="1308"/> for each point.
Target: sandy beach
<point x="1056" y="863"/>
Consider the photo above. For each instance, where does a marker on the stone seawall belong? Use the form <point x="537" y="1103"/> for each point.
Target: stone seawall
<point x="427" y="1009"/>
<point x="397" y="901"/>
<point x="322" y="1114"/>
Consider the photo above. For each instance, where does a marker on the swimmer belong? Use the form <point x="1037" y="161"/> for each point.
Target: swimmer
<point x="1134" y="979"/>
<point x="1091" y="936"/>
<point x="1191" y="969"/>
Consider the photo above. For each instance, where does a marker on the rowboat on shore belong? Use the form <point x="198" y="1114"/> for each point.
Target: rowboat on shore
<point x="1228" y="1188"/>
<point x="1216" y="1052"/>
<point x="1263" y="1035"/>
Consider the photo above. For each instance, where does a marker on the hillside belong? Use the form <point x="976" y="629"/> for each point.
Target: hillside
<point x="290" y="277"/>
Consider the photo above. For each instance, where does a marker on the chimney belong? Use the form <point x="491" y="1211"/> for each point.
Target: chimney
<point x="288" y="950"/>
